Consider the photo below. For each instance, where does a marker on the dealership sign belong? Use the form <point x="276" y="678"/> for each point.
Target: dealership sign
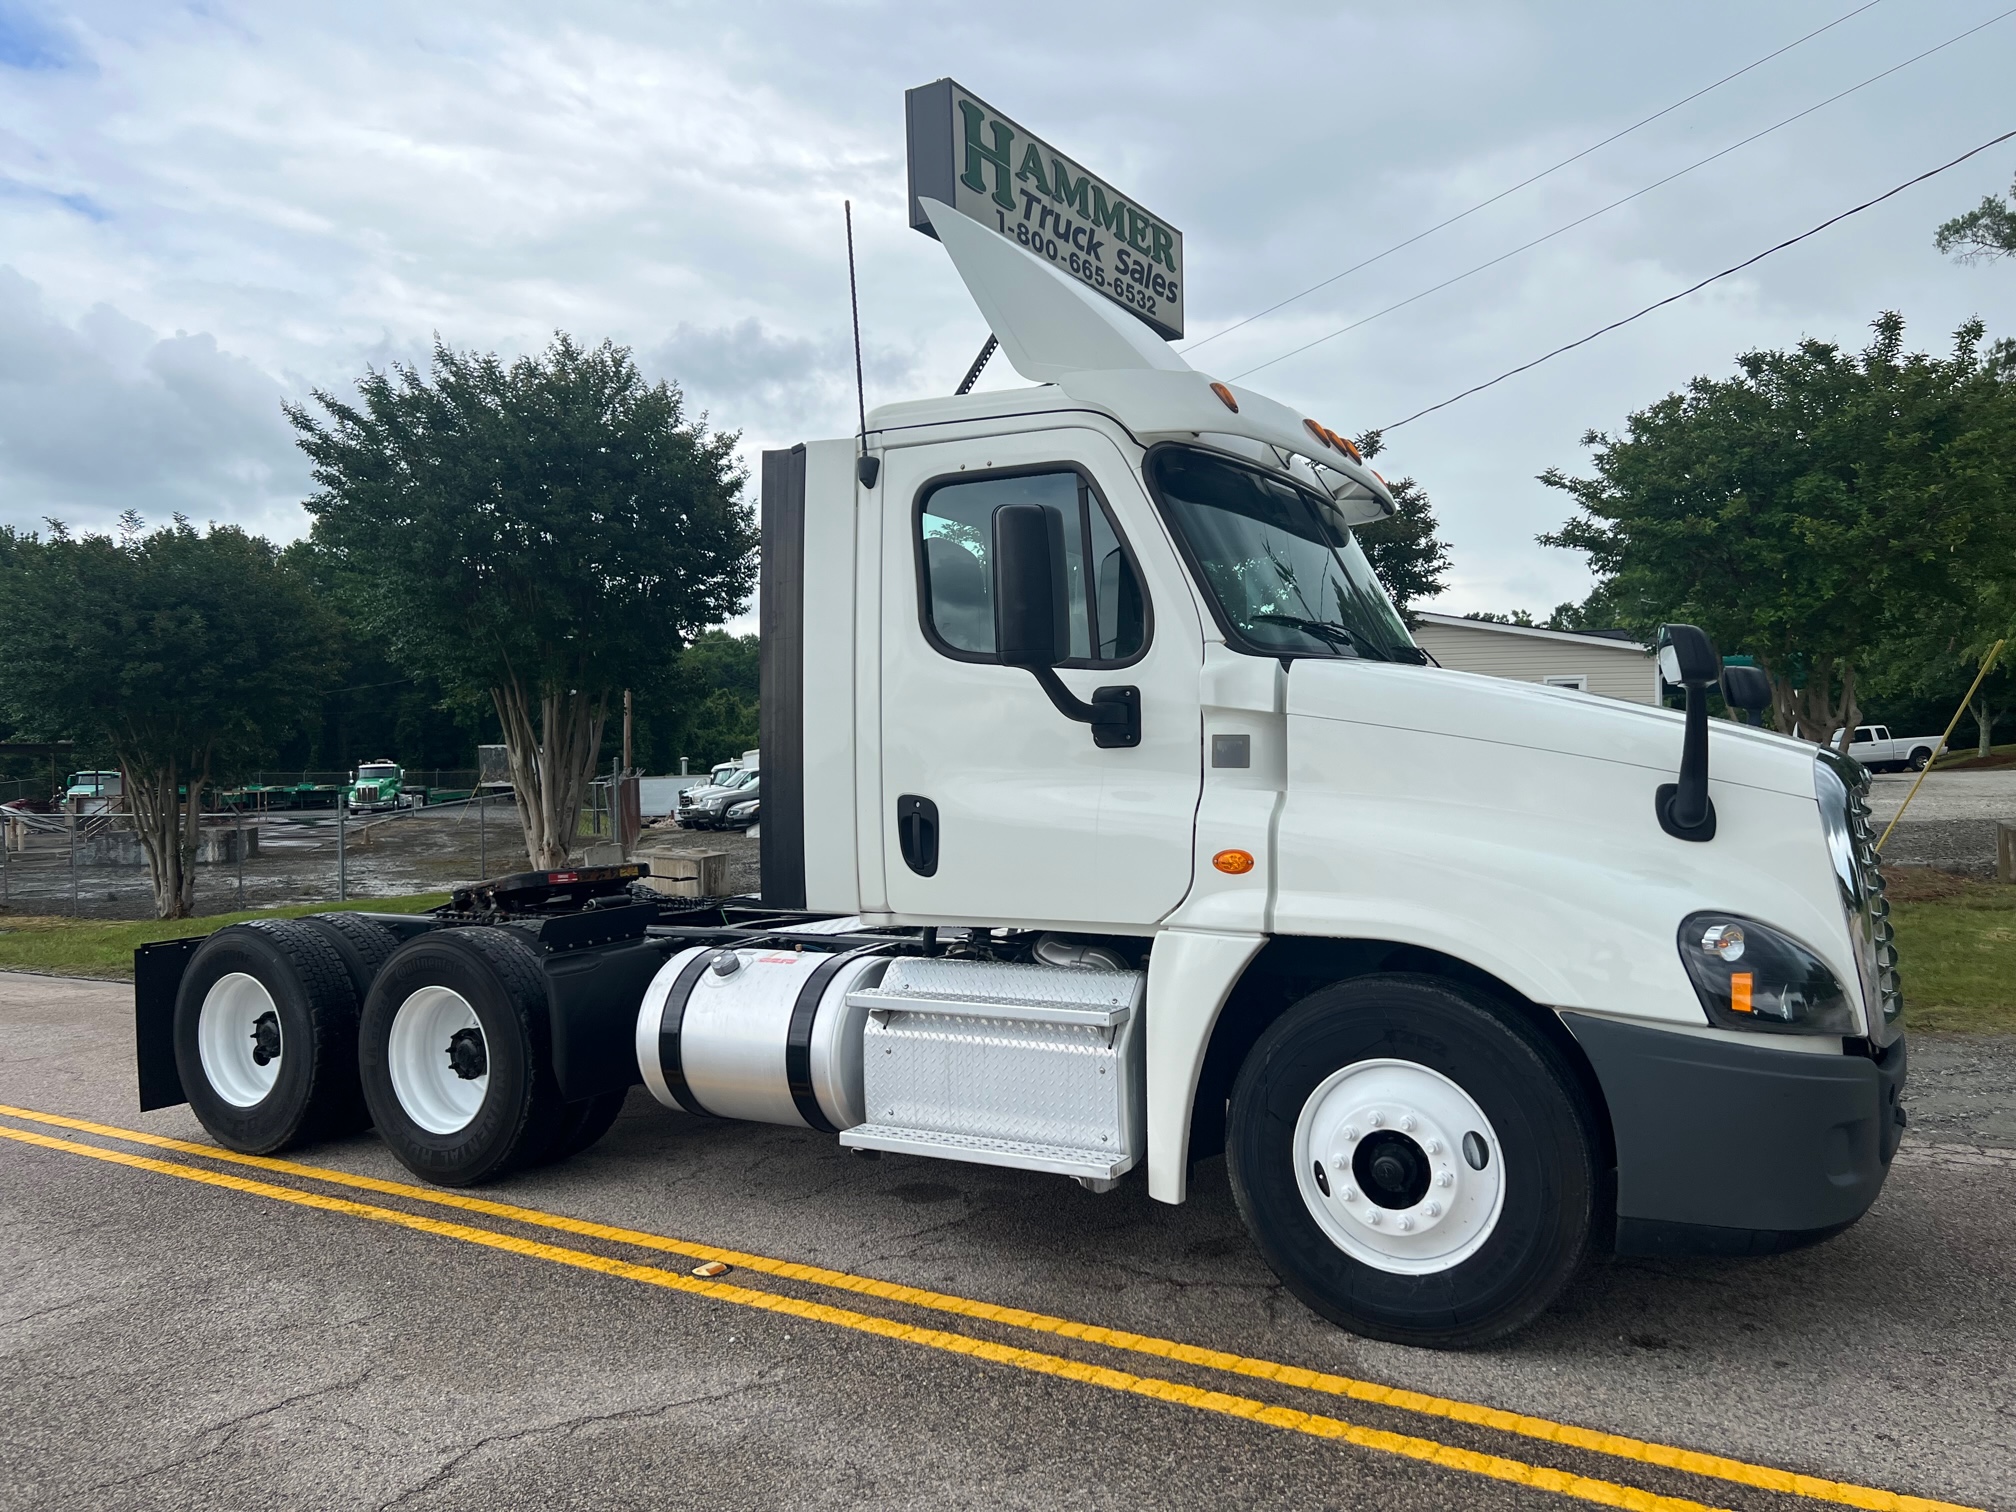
<point x="968" y="155"/>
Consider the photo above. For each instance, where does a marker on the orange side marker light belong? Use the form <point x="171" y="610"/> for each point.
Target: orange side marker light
<point x="1225" y="394"/>
<point x="1739" y="992"/>
<point x="1234" y="863"/>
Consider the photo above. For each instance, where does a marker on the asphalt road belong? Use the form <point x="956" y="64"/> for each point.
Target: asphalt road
<point x="177" y="1331"/>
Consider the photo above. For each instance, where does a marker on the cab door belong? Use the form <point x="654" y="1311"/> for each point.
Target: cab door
<point x="996" y="809"/>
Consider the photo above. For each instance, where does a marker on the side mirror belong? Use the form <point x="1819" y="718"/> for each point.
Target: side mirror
<point x="1689" y="658"/>
<point x="1032" y="620"/>
<point x="1032" y="626"/>
<point x="1748" y="689"/>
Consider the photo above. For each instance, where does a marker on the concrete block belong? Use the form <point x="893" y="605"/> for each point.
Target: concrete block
<point x="686" y="874"/>
<point x="2005" y="849"/>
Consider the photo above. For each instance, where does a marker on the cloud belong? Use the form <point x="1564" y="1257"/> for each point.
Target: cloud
<point x="103" y="414"/>
<point x="319" y="189"/>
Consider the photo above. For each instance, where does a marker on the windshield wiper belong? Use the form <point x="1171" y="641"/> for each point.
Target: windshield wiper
<point x="1335" y="635"/>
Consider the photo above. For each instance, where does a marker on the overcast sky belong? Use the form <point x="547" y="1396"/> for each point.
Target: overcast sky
<point x="206" y="209"/>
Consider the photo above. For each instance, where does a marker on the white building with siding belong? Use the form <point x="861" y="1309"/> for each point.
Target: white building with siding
<point x="1608" y="665"/>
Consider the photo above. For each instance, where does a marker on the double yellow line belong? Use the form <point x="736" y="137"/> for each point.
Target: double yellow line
<point x="1496" y="1467"/>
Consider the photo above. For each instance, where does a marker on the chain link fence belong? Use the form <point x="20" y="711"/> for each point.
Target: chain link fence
<point x="92" y="865"/>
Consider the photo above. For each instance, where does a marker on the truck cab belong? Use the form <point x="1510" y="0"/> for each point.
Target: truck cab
<point x="378" y="786"/>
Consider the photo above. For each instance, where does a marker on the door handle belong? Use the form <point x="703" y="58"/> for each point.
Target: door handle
<point x="917" y="833"/>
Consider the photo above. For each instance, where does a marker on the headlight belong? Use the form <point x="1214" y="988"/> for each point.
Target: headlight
<point x="1750" y="976"/>
<point x="742" y="810"/>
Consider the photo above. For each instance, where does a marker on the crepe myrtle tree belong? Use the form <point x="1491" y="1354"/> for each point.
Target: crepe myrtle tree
<point x="184" y="653"/>
<point x="542" y="533"/>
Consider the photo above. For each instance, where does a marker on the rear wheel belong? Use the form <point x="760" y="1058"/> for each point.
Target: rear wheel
<point x="453" y="1051"/>
<point x="1920" y="760"/>
<point x="265" y="1037"/>
<point x="584" y="1122"/>
<point x="1414" y="1165"/>
<point x="364" y="947"/>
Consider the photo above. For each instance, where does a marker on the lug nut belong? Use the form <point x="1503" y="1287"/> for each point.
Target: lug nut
<point x="1350" y="1194"/>
<point x="1407" y="1125"/>
<point x="1434" y="1210"/>
<point x="1406" y="1223"/>
<point x="1375" y="1118"/>
<point x="1446" y="1179"/>
<point x="1433" y="1147"/>
<point x="1373" y="1217"/>
<point x="1350" y="1133"/>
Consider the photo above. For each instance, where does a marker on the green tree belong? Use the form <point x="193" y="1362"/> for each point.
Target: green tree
<point x="1986" y="232"/>
<point x="1805" y="508"/>
<point x="184" y="654"/>
<point x="542" y="534"/>
<point x="1404" y="549"/>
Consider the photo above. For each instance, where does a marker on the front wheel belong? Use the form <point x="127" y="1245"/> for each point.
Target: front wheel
<point x="1414" y="1164"/>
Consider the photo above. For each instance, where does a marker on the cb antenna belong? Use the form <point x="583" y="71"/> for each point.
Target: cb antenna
<point x="865" y="467"/>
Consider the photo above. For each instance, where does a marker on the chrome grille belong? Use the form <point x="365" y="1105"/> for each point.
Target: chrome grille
<point x="1842" y="787"/>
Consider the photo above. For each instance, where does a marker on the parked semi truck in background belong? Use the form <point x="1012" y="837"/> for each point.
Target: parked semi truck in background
<point x="1112" y="821"/>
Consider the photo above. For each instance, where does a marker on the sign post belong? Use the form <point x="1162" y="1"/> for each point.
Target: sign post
<point x="966" y="154"/>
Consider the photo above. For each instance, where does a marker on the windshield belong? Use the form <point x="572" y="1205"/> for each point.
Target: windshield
<point x="739" y="779"/>
<point x="1278" y="560"/>
<point x="370" y="773"/>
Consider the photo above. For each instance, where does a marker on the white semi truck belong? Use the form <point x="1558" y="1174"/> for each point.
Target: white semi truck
<point x="1113" y="821"/>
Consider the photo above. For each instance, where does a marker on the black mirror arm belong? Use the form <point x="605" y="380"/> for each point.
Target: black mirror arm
<point x="1685" y="810"/>
<point x="1113" y="713"/>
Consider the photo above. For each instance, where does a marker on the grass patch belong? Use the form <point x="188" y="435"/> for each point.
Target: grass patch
<point x="1970" y="759"/>
<point x="104" y="947"/>
<point x="1956" y="947"/>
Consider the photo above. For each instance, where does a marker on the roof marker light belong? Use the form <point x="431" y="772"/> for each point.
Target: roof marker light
<point x="1225" y="394"/>
<point x="1317" y="431"/>
<point x="1343" y="444"/>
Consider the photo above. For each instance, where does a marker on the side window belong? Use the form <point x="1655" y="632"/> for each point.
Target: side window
<point x="1863" y="735"/>
<point x="955" y="537"/>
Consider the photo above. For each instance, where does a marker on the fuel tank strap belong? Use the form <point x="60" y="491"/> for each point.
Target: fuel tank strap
<point x="798" y="1038"/>
<point x="669" y="1063"/>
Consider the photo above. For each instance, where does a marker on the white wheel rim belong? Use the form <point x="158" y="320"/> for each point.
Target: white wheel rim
<point x="432" y="1093"/>
<point x="227" y="1026"/>
<point x="1360" y="1123"/>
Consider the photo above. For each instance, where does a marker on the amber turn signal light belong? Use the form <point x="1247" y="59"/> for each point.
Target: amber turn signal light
<point x="1225" y="394"/>
<point x="1234" y="863"/>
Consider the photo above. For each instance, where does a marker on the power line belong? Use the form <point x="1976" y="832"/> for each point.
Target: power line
<point x="1501" y="194"/>
<point x="1525" y="367"/>
<point x="1634" y="194"/>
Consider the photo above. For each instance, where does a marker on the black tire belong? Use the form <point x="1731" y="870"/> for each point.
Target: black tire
<point x="1520" y="1083"/>
<point x="365" y="948"/>
<point x="1920" y="759"/>
<point x="314" y="1092"/>
<point x="521" y="1115"/>
<point x="584" y="1122"/>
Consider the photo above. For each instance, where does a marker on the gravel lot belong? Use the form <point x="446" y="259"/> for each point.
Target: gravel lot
<point x="1951" y="823"/>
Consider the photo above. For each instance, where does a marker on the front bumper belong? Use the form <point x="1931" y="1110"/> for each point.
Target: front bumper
<point x="1731" y="1149"/>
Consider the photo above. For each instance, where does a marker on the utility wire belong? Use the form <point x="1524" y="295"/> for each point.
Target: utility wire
<point x="1525" y="367"/>
<point x="1534" y="179"/>
<point x="1634" y="194"/>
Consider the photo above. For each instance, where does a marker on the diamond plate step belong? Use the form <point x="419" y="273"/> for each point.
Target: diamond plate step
<point x="980" y="1149"/>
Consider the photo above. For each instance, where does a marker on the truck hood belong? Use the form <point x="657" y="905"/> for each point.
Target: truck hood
<point x="1498" y="711"/>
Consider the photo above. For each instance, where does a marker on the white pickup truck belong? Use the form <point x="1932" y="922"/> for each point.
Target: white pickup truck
<point x="1880" y="751"/>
